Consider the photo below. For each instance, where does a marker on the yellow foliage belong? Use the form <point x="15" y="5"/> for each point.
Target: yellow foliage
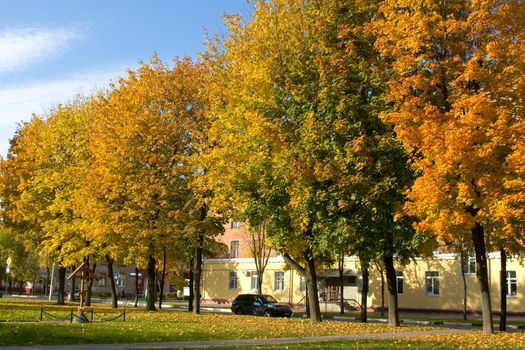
<point x="458" y="94"/>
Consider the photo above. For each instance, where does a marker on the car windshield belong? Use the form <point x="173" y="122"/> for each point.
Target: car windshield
<point x="268" y="299"/>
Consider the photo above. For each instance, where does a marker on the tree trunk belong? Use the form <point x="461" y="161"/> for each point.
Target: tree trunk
<point x="364" y="295"/>
<point x="162" y="278"/>
<point x="478" y="238"/>
<point x="136" y="286"/>
<point x="152" y="285"/>
<point x="382" y="293"/>
<point x="71" y="296"/>
<point x="391" y="281"/>
<point x="312" y="296"/>
<point x="91" y="279"/>
<point x="307" y="302"/>
<point x="21" y="287"/>
<point x="197" y="276"/>
<point x="261" y="253"/>
<point x="341" y="283"/>
<point x="111" y="275"/>
<point x="259" y="280"/>
<point x="463" y="260"/>
<point x="191" y="283"/>
<point x="311" y="282"/>
<point x="503" y="290"/>
<point x="61" y="300"/>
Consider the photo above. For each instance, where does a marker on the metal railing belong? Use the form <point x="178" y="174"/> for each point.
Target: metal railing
<point x="94" y="316"/>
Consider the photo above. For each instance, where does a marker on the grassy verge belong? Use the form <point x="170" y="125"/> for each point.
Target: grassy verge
<point x="432" y="318"/>
<point x="165" y="326"/>
<point x="162" y="326"/>
<point x="463" y="341"/>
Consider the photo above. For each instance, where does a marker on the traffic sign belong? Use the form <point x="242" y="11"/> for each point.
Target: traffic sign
<point x="9" y="261"/>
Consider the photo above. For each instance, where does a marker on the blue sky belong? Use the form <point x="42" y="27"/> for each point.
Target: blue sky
<point x="52" y="50"/>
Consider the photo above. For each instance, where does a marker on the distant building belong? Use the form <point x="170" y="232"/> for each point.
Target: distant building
<point x="424" y="284"/>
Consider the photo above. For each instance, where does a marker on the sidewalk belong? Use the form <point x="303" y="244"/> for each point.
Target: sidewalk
<point x="235" y="343"/>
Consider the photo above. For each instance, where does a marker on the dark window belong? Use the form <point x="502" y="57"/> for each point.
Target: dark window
<point x="233" y="280"/>
<point x="234" y="249"/>
<point x="267" y="299"/>
<point x="469" y="265"/>
<point x="302" y="284"/>
<point x="400" y="280"/>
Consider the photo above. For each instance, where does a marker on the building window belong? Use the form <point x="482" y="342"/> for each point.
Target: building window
<point x="235" y="224"/>
<point x="400" y="280"/>
<point x="254" y="280"/>
<point x="234" y="249"/>
<point x="101" y="281"/>
<point x="512" y="284"/>
<point x="302" y="284"/>
<point x="469" y="265"/>
<point x="432" y="283"/>
<point x="361" y="285"/>
<point x="233" y="280"/>
<point x="278" y="280"/>
<point x="119" y="281"/>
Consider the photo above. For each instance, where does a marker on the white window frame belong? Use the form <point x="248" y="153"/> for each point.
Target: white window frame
<point x="101" y="282"/>
<point x="120" y="281"/>
<point x="512" y="281"/>
<point x="254" y="280"/>
<point x="234" y="249"/>
<point x="278" y="280"/>
<point x="469" y="265"/>
<point x="302" y="283"/>
<point x="232" y="281"/>
<point x="235" y="224"/>
<point x="432" y="283"/>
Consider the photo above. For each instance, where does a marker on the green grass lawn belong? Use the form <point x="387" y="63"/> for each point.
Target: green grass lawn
<point x="352" y="315"/>
<point x="165" y="325"/>
<point x="497" y="341"/>
<point x="168" y="325"/>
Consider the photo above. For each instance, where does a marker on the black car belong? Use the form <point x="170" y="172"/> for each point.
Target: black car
<point x="260" y="304"/>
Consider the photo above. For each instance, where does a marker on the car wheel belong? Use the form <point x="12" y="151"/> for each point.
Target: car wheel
<point x="238" y="311"/>
<point x="268" y="313"/>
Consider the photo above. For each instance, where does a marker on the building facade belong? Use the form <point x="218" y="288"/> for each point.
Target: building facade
<point x="430" y="284"/>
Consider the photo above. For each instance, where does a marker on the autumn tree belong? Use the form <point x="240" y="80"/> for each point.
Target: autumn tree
<point x="260" y="106"/>
<point x="297" y="103"/>
<point x="143" y="133"/>
<point x="25" y="262"/>
<point x="41" y="202"/>
<point x="457" y="87"/>
<point x="15" y="172"/>
<point x="260" y="250"/>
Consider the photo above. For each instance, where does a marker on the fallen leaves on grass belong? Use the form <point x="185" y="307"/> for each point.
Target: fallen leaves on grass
<point x="480" y="340"/>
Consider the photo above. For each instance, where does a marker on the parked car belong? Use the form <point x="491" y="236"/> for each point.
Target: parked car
<point x="261" y="305"/>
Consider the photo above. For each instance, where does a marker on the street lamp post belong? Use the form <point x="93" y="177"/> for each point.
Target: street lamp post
<point x="7" y="272"/>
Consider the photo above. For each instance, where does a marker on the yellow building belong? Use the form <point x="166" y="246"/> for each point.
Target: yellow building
<point x="424" y="284"/>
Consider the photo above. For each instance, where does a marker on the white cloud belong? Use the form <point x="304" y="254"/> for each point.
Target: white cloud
<point x="18" y="103"/>
<point x="22" y="47"/>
